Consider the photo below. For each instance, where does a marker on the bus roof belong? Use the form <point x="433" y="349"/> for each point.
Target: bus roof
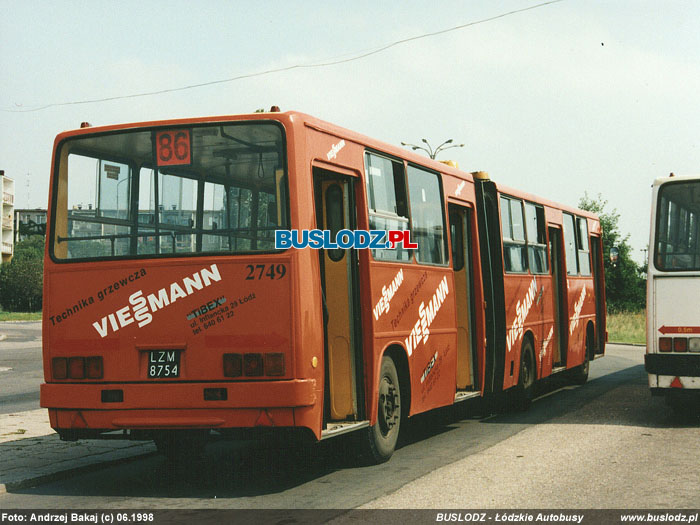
<point x="673" y="178"/>
<point x="545" y="202"/>
<point x="303" y="119"/>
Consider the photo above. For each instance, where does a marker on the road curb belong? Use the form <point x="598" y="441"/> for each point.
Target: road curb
<point x="64" y="474"/>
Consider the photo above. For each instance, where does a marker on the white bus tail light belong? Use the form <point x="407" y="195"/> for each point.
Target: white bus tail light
<point x="694" y="344"/>
<point x="680" y="344"/>
<point x="665" y="344"/>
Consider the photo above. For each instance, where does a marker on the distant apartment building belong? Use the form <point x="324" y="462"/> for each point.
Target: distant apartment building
<point x="7" y="207"/>
<point x="29" y="222"/>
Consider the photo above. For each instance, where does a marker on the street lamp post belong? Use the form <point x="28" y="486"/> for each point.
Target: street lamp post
<point x="432" y="153"/>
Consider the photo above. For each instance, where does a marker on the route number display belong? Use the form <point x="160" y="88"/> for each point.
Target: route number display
<point x="173" y="147"/>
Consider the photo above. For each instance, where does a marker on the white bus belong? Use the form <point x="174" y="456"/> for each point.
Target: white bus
<point x="673" y="290"/>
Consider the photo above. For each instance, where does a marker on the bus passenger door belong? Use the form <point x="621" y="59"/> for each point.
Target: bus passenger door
<point x="334" y="212"/>
<point x="460" y="232"/>
<point x="560" y="337"/>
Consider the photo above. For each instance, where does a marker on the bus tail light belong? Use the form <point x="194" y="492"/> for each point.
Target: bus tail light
<point x="252" y="365"/>
<point x="233" y="366"/>
<point x="274" y="364"/>
<point x="680" y="344"/>
<point x="76" y="367"/>
<point x="94" y="367"/>
<point x="694" y="344"/>
<point x="59" y="367"/>
<point x="664" y="344"/>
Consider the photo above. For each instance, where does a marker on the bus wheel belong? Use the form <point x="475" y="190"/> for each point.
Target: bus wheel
<point x="382" y="436"/>
<point x="579" y="375"/>
<point x="526" y="380"/>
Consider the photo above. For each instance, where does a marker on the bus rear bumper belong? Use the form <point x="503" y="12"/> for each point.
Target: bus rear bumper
<point x="250" y="394"/>
<point x="176" y="405"/>
<point x="673" y="364"/>
<point x="672" y="371"/>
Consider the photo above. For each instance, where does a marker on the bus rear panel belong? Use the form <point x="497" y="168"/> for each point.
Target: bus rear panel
<point x="167" y="306"/>
<point x="673" y="288"/>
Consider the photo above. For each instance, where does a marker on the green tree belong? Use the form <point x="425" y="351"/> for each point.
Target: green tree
<point x="21" y="279"/>
<point x="31" y="248"/>
<point x="625" y="281"/>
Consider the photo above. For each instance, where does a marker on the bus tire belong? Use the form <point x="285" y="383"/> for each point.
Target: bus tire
<point x="579" y="375"/>
<point x="527" y="376"/>
<point x="381" y="437"/>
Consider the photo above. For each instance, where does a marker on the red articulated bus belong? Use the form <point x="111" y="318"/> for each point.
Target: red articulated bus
<point x="170" y="315"/>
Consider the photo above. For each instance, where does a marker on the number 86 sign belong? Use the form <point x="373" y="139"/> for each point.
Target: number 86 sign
<point x="173" y="147"/>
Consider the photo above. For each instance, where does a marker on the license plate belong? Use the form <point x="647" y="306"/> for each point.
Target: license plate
<point x="164" y="363"/>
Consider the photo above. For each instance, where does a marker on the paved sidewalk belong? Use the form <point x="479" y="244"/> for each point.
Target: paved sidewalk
<point x="32" y="452"/>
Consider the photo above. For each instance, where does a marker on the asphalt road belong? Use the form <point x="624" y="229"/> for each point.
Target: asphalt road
<point x="21" y="370"/>
<point x="607" y="444"/>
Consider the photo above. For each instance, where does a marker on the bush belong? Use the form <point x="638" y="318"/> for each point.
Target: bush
<point x="21" y="279"/>
<point x="625" y="280"/>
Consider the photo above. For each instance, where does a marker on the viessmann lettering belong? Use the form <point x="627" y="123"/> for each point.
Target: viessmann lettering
<point x="388" y="292"/>
<point x="141" y="308"/>
<point x="426" y="315"/>
<point x="515" y="332"/>
<point x="335" y="148"/>
<point x="577" y="312"/>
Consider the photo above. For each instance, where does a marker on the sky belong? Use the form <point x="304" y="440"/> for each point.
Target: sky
<point x="569" y="98"/>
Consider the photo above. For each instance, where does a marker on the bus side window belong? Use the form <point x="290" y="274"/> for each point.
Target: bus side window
<point x="427" y="217"/>
<point x="386" y="200"/>
<point x="570" y="245"/>
<point x="584" y="262"/>
<point x="512" y="225"/>
<point x="536" y="238"/>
